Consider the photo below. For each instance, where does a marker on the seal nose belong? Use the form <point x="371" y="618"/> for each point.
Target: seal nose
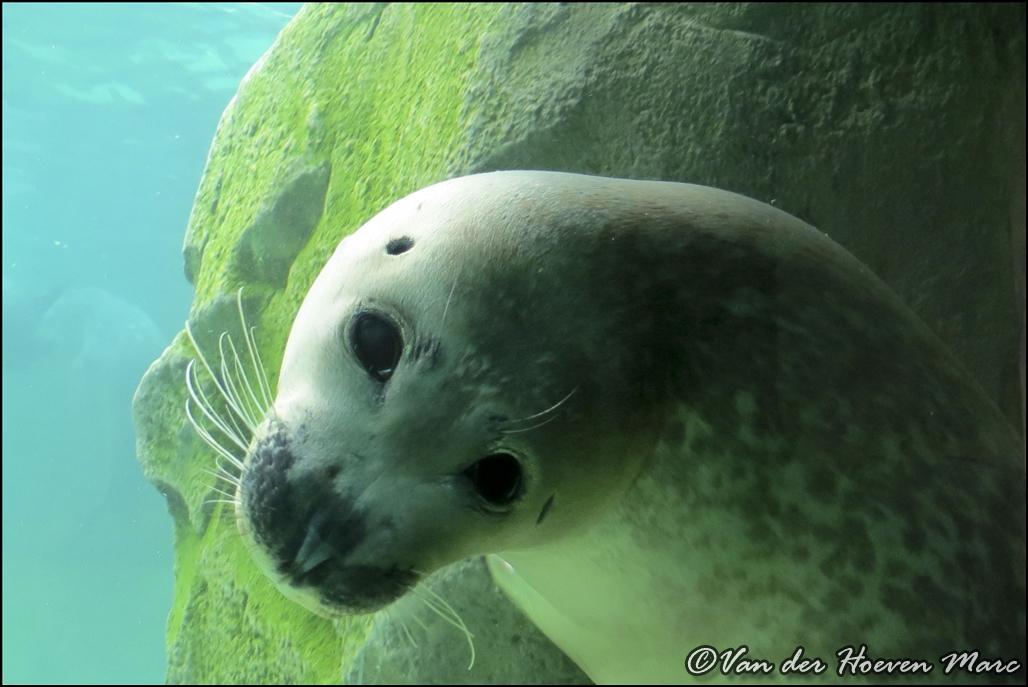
<point x="315" y="550"/>
<point x="309" y="530"/>
<point x="296" y="519"/>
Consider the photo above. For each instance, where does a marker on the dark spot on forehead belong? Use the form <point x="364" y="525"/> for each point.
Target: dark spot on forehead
<point x="399" y="245"/>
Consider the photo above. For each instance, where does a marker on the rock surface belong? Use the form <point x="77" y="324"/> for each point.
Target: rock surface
<point x="898" y="130"/>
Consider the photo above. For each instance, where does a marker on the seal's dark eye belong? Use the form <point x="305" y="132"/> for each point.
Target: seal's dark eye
<point x="377" y="343"/>
<point x="496" y="478"/>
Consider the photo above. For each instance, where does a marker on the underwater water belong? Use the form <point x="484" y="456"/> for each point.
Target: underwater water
<point x="108" y="113"/>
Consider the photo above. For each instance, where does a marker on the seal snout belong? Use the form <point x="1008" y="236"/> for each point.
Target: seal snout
<point x="308" y="532"/>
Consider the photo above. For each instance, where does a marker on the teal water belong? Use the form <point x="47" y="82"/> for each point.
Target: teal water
<point x="108" y="113"/>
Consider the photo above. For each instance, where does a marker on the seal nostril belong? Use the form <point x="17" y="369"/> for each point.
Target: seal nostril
<point x="315" y="550"/>
<point x="497" y="479"/>
<point x="400" y="245"/>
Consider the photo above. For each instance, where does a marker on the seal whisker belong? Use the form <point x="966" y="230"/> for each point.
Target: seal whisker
<point x="199" y="398"/>
<point x="230" y="501"/>
<point x="246" y="400"/>
<point x="230" y="477"/>
<point x="445" y="611"/>
<point x="237" y="383"/>
<point x="228" y="423"/>
<point x="405" y="632"/>
<point x="549" y="410"/>
<point x="225" y="476"/>
<point x="446" y="308"/>
<point x="526" y="429"/>
<point x="255" y="356"/>
<point x="230" y="472"/>
<point x="233" y="384"/>
<point x="229" y="498"/>
<point x="421" y="624"/>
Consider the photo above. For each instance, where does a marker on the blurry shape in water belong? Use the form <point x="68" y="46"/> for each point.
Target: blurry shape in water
<point x="85" y="328"/>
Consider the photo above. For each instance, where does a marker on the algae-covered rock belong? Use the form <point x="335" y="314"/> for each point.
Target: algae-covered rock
<point x="888" y="127"/>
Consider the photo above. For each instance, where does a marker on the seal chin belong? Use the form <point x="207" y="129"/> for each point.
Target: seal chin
<point x="304" y="533"/>
<point x="334" y="590"/>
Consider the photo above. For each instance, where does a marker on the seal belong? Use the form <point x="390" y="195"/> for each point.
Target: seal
<point x="677" y="420"/>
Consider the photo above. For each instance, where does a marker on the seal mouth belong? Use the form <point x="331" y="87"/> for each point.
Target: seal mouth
<point x="309" y="533"/>
<point x="320" y="566"/>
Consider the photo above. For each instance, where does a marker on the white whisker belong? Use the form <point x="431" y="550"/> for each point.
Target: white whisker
<point x="549" y="410"/>
<point x="225" y="478"/>
<point x="407" y="635"/>
<point x="449" y="298"/>
<point x="445" y="611"/>
<point x="242" y="391"/>
<point x="230" y="501"/>
<point x="200" y="399"/>
<point x="255" y="356"/>
<point x="236" y="382"/>
<point x="528" y="429"/>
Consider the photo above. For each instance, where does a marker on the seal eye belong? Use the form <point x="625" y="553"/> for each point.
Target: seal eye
<point x="377" y="343"/>
<point x="496" y="478"/>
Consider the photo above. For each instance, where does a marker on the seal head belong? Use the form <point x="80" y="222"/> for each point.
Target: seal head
<point x="449" y="351"/>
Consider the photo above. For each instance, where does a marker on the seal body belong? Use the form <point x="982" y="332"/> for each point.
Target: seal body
<point x="674" y="416"/>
